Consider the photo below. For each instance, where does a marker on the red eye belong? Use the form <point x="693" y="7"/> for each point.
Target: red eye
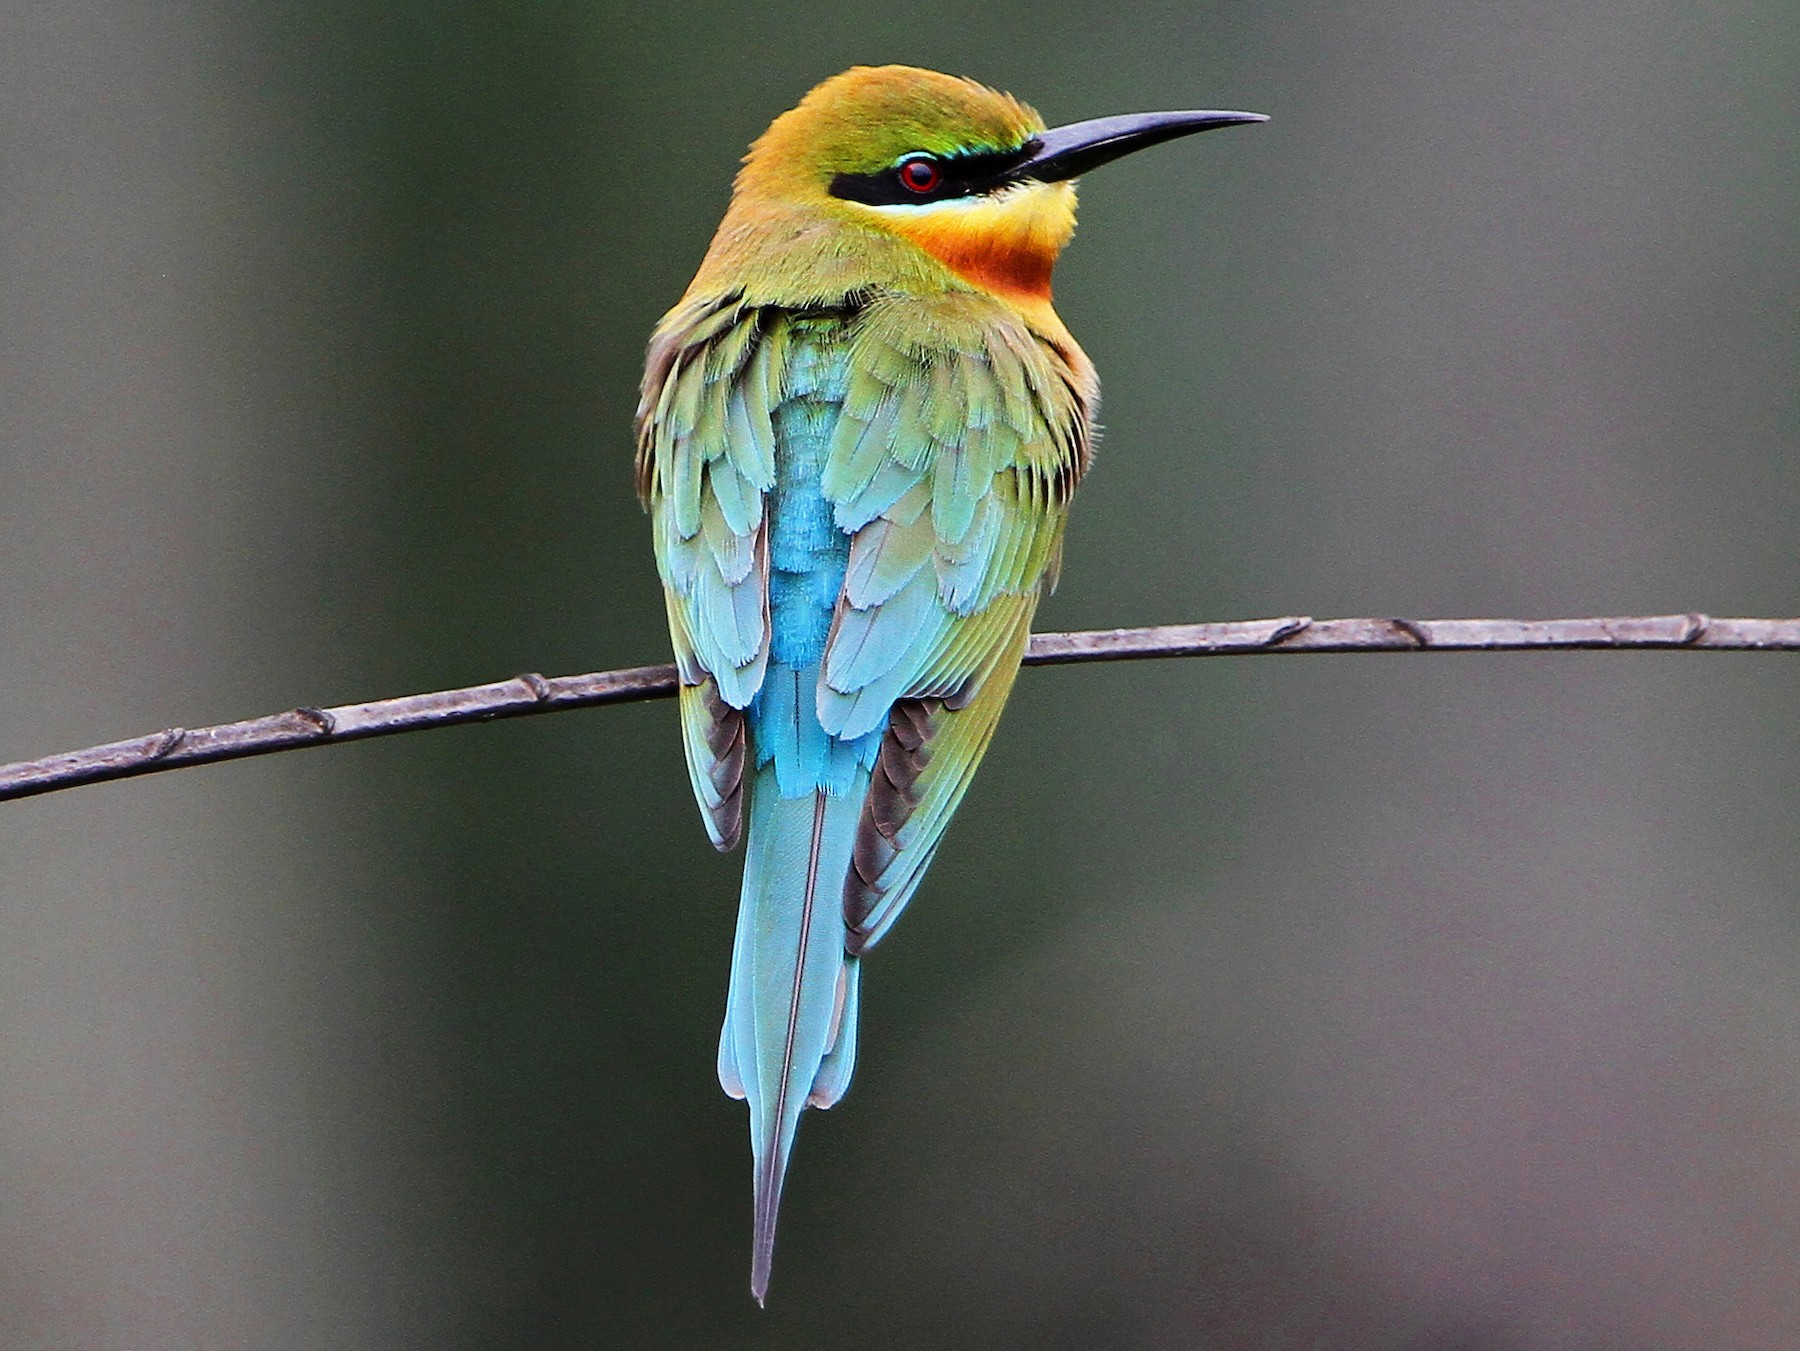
<point x="920" y="175"/>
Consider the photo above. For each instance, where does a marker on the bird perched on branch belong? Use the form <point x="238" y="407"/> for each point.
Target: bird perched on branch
<point x="859" y="433"/>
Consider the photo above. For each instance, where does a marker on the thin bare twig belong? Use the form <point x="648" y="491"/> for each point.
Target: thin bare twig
<point x="527" y="694"/>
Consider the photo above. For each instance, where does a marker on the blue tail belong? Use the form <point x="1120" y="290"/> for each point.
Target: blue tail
<point x="790" y="1021"/>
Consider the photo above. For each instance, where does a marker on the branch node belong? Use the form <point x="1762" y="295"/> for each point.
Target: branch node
<point x="1420" y="638"/>
<point x="323" y="723"/>
<point x="539" y="687"/>
<point x="1291" y="627"/>
<point x="1697" y="627"/>
<point x="166" y="742"/>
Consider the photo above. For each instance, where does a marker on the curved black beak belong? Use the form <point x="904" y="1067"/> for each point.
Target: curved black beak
<point x="1065" y="152"/>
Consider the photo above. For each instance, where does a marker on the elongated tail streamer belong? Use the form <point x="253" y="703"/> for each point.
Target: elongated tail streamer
<point x="789" y="1038"/>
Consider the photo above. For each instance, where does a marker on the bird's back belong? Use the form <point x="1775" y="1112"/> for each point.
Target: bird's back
<point x="808" y="555"/>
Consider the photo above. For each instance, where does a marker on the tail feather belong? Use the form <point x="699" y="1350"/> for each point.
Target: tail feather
<point x="789" y="1036"/>
<point x="833" y="1079"/>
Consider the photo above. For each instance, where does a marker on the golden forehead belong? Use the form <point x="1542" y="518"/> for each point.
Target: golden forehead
<point x="867" y="117"/>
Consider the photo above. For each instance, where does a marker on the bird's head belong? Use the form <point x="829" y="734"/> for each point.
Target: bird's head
<point x="962" y="173"/>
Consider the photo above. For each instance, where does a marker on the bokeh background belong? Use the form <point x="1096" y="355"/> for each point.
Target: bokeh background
<point x="1438" y="1004"/>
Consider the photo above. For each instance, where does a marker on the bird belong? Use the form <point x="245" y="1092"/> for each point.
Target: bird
<point x="858" y="435"/>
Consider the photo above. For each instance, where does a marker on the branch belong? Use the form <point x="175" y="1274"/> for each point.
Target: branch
<point x="528" y="694"/>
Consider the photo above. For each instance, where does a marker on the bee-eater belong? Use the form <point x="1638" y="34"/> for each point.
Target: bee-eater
<point x="859" y="433"/>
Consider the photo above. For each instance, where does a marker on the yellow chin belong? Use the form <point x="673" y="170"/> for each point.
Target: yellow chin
<point x="1006" y="243"/>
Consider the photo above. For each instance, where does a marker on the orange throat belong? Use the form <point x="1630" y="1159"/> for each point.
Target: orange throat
<point x="1006" y="245"/>
<point x="1020" y="274"/>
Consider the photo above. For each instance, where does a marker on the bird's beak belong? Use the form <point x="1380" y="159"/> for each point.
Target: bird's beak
<point x="1065" y="152"/>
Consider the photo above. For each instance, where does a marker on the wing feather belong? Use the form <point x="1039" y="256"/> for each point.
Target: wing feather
<point x="706" y="460"/>
<point x="952" y="465"/>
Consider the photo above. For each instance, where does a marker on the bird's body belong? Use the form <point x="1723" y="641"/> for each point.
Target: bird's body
<point x="859" y="433"/>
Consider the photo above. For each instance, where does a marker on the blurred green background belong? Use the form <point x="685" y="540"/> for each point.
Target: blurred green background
<point x="1448" y="1004"/>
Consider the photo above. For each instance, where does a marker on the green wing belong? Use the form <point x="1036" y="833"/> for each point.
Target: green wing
<point x="706" y="459"/>
<point x="961" y="438"/>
